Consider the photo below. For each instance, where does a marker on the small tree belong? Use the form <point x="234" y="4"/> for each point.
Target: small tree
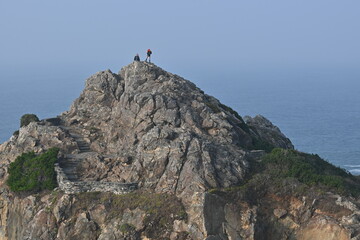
<point x="28" y="118"/>
<point x="30" y="172"/>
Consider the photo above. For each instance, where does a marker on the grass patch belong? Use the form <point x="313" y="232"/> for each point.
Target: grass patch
<point x="33" y="173"/>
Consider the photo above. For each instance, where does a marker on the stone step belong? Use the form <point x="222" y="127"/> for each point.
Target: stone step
<point x="83" y="144"/>
<point x="69" y="165"/>
<point x="72" y="177"/>
<point x="71" y="160"/>
<point x="84" y="147"/>
<point x="69" y="170"/>
<point x="85" y="150"/>
<point x="74" y="156"/>
<point x="70" y="173"/>
<point x="65" y="167"/>
<point x="74" y="161"/>
<point x="74" y="174"/>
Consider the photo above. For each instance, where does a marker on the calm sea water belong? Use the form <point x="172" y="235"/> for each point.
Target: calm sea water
<point x="319" y="112"/>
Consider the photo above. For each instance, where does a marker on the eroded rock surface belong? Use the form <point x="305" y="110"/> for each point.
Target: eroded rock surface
<point x="158" y="130"/>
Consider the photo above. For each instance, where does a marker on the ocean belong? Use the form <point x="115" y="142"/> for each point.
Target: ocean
<point x="318" y="111"/>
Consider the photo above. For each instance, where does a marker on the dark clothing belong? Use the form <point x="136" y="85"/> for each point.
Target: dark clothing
<point x="137" y="58"/>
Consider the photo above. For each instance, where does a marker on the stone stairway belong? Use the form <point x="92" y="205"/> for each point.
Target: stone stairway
<point x="69" y="165"/>
<point x="83" y="145"/>
<point x="71" y="162"/>
<point x="67" y="170"/>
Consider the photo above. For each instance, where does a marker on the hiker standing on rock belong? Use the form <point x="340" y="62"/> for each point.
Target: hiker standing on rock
<point x="137" y="58"/>
<point x="148" y="55"/>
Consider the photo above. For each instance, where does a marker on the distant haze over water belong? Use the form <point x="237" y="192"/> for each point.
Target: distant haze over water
<point x="318" y="110"/>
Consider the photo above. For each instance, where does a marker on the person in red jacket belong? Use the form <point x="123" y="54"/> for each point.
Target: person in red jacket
<point x="148" y="55"/>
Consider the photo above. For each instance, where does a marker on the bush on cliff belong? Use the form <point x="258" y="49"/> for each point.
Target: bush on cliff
<point x="34" y="173"/>
<point x="309" y="169"/>
<point x="28" y="118"/>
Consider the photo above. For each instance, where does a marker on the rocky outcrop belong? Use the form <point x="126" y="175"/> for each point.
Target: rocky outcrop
<point x="149" y="129"/>
<point x="163" y="132"/>
<point x="160" y="125"/>
<point x="267" y="132"/>
<point x="281" y="217"/>
<point x="88" y="216"/>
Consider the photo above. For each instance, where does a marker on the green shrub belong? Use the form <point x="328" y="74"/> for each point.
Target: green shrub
<point x="16" y="133"/>
<point x="309" y="169"/>
<point x="30" y="172"/>
<point x="28" y="118"/>
<point x="259" y="144"/>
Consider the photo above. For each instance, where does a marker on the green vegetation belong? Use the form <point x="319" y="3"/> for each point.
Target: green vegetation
<point x="259" y="144"/>
<point x="290" y="172"/>
<point x="33" y="173"/>
<point x="16" y="133"/>
<point x="28" y="118"/>
<point x="290" y="180"/>
<point x="309" y="169"/>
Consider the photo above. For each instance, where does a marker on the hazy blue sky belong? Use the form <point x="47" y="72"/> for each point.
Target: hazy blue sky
<point x="188" y="37"/>
<point x="294" y="61"/>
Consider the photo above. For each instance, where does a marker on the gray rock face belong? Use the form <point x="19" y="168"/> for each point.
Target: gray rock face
<point x="162" y="131"/>
<point x="158" y="129"/>
<point x="267" y="132"/>
<point x="153" y="128"/>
